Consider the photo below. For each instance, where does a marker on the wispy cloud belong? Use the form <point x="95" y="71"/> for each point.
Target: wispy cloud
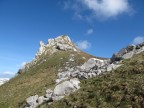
<point x="101" y="9"/>
<point x="83" y="44"/>
<point x="90" y="31"/>
<point x="138" y="40"/>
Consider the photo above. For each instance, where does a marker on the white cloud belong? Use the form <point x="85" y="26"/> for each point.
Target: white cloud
<point x="83" y="44"/>
<point x="102" y="9"/>
<point x="107" y="8"/>
<point x="138" y="40"/>
<point x="90" y="31"/>
<point x="8" y="73"/>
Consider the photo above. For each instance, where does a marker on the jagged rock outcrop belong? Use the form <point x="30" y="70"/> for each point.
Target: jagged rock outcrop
<point x="41" y="49"/>
<point x="128" y="52"/>
<point x="3" y="80"/>
<point x="60" y="43"/>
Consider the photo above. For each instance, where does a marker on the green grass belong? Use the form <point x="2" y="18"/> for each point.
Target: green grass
<point x="36" y="79"/>
<point x="121" y="88"/>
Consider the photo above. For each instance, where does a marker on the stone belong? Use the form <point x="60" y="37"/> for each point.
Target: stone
<point x="130" y="48"/>
<point x="92" y="68"/>
<point x="65" y="88"/>
<point x="140" y="50"/>
<point x="88" y="65"/>
<point x="40" y="100"/>
<point x="64" y="74"/>
<point x="92" y="64"/>
<point x="111" y="67"/>
<point x="32" y="101"/>
<point x="61" y="43"/>
<point x="75" y="83"/>
<point x="75" y="73"/>
<point x="49" y="93"/>
<point x="128" y="55"/>
<point x="41" y="49"/>
<point x="118" y="56"/>
<point x="60" y="80"/>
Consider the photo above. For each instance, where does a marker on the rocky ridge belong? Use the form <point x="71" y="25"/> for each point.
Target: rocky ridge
<point x="68" y="79"/>
<point x="128" y="52"/>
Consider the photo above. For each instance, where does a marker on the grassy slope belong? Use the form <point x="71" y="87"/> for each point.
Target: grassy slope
<point x="36" y="80"/>
<point x="121" y="88"/>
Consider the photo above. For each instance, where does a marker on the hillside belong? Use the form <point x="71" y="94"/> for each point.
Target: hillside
<point x="121" y="88"/>
<point x="63" y="76"/>
<point x="40" y="75"/>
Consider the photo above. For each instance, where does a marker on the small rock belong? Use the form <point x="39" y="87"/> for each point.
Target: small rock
<point x="48" y="94"/>
<point x="40" y="100"/>
<point x="32" y="101"/>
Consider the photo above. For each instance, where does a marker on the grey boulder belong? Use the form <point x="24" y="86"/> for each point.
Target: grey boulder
<point x="65" y="88"/>
<point x="32" y="101"/>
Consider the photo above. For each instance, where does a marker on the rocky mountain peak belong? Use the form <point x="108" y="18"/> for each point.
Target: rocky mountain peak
<point x="62" y="43"/>
<point x="60" y="39"/>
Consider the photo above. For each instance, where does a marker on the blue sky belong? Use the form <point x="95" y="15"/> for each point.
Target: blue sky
<point x="99" y="27"/>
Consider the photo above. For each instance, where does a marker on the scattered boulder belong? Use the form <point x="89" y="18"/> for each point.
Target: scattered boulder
<point x="60" y="91"/>
<point x="92" y="63"/>
<point x="32" y="101"/>
<point x="89" y="69"/>
<point x="65" y="88"/>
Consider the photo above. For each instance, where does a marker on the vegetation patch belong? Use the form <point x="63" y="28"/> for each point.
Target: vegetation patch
<point x="121" y="88"/>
